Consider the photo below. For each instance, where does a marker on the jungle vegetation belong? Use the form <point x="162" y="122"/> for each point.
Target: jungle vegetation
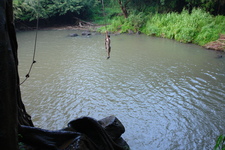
<point x="188" y="21"/>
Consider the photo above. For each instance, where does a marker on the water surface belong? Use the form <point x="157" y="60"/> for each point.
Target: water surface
<point x="168" y="95"/>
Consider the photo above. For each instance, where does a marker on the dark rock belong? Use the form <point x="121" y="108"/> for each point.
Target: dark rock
<point x="45" y="139"/>
<point x="86" y="33"/>
<point x="82" y="133"/>
<point x="112" y="126"/>
<point x="97" y="133"/>
<point x="219" y="56"/>
<point x="130" y="31"/>
<point x="73" y="35"/>
<point x="138" y="32"/>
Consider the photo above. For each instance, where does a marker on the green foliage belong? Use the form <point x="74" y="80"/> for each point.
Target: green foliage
<point x="189" y="26"/>
<point x="212" y="6"/>
<point x="133" y="23"/>
<point x="120" y="24"/>
<point x="90" y="9"/>
<point x="220" y="143"/>
<point x="22" y="6"/>
<point x="29" y="9"/>
<point x="114" y="26"/>
<point x="61" y="7"/>
<point x="197" y="27"/>
<point x="104" y="17"/>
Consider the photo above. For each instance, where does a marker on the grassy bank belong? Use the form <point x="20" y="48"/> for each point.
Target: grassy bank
<point x="197" y="27"/>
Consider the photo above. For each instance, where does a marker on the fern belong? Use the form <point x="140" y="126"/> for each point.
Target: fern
<point x="220" y="143"/>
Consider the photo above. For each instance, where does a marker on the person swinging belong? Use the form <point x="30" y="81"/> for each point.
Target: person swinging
<point x="107" y="44"/>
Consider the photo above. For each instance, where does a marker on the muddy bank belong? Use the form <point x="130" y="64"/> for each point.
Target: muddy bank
<point x="218" y="45"/>
<point x="64" y="27"/>
<point x="85" y="28"/>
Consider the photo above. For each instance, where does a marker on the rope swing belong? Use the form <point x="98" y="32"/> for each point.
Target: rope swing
<point x="103" y="7"/>
<point x="107" y="36"/>
<point x="35" y="47"/>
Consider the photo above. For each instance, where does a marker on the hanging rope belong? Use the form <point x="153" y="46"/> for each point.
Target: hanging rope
<point x="107" y="36"/>
<point x="103" y="7"/>
<point x="35" y="47"/>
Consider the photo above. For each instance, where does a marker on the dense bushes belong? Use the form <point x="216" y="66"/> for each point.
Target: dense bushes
<point x="26" y="10"/>
<point x="197" y="27"/>
<point x="122" y="25"/>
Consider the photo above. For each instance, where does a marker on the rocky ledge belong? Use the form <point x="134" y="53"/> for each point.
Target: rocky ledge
<point x="80" y="134"/>
<point x="218" y="45"/>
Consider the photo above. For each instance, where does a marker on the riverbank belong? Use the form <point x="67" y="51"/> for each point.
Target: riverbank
<point x="218" y="45"/>
<point x="70" y="27"/>
<point x="197" y="27"/>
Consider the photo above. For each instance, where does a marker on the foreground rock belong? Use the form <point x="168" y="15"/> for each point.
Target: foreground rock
<point x="81" y="134"/>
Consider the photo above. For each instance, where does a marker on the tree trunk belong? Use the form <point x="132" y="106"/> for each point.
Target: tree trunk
<point x="8" y="81"/>
<point x="124" y="7"/>
<point x="10" y="98"/>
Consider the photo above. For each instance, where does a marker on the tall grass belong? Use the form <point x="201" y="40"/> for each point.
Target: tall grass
<point x="115" y="25"/>
<point x="122" y="25"/>
<point x="197" y="27"/>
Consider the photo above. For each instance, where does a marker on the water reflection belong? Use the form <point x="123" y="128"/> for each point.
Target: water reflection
<point x="168" y="95"/>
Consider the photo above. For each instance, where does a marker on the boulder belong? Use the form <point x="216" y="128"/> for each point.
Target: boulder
<point x="73" y="35"/>
<point x="82" y="133"/>
<point x="86" y="33"/>
<point x="112" y="126"/>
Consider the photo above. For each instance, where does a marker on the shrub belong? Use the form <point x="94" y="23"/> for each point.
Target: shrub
<point x="197" y="27"/>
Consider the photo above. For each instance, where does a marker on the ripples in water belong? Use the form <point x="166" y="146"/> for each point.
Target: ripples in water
<point x="168" y="95"/>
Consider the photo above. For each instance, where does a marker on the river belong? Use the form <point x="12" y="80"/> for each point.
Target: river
<point x="168" y="95"/>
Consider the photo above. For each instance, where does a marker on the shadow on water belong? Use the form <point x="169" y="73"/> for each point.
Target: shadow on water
<point x="168" y="95"/>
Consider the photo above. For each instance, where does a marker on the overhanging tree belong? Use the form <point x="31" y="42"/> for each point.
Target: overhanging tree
<point x="12" y="110"/>
<point x="123" y="6"/>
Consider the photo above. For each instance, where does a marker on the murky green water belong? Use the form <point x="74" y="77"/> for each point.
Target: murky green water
<point x="168" y="95"/>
